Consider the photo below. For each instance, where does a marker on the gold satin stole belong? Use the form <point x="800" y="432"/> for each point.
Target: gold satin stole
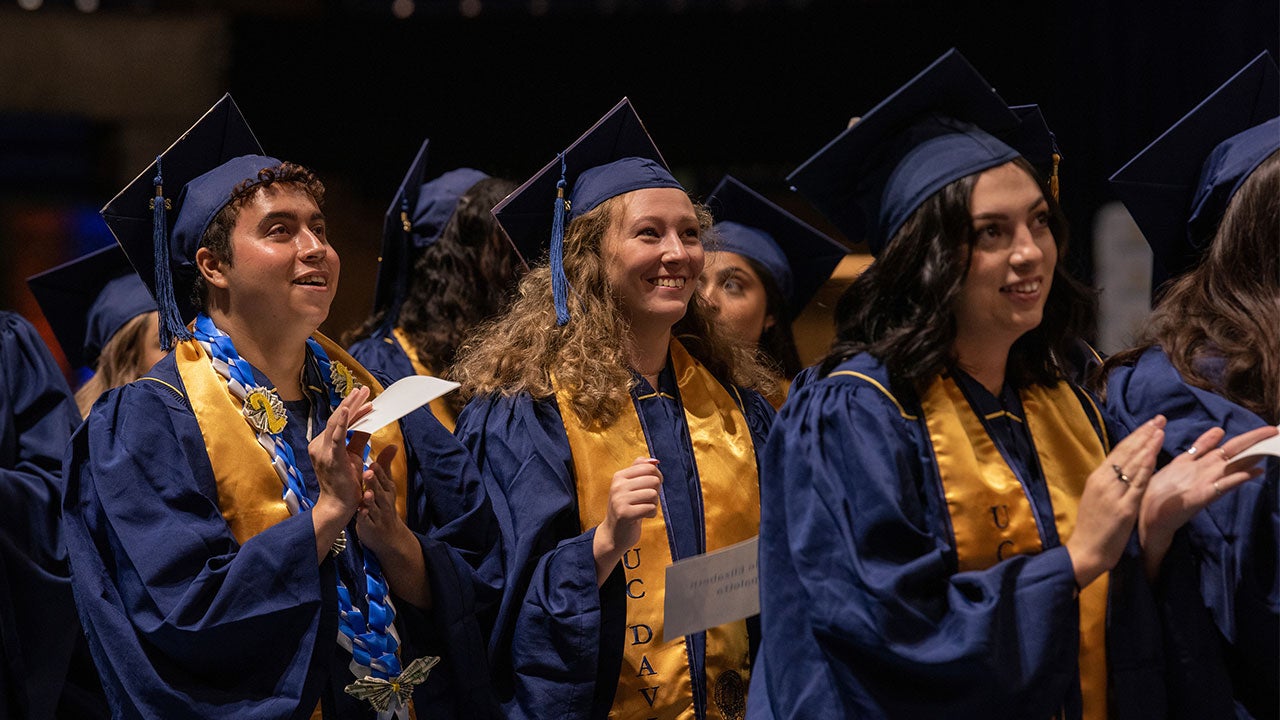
<point x="250" y="493"/>
<point x="991" y="513"/>
<point x="655" y="680"/>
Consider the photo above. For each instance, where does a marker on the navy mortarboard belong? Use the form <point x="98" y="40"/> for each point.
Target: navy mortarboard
<point x="1179" y="186"/>
<point x="88" y="300"/>
<point x="1036" y="142"/>
<point x="615" y="156"/>
<point x="160" y="217"/>
<point x="942" y="125"/>
<point x="415" y="220"/>
<point x="799" y="257"/>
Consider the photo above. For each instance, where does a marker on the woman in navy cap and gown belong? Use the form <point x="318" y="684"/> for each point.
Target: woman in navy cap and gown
<point x="1206" y="195"/>
<point x="444" y="268"/>
<point x="104" y="318"/>
<point x="765" y="267"/>
<point x="235" y="551"/>
<point x="616" y="436"/>
<point x="941" y="505"/>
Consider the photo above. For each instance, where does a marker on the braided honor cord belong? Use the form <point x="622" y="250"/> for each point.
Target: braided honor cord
<point x="372" y="641"/>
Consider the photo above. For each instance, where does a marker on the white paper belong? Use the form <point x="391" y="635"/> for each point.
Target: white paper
<point x="1245" y="458"/>
<point x="712" y="589"/>
<point x="401" y="398"/>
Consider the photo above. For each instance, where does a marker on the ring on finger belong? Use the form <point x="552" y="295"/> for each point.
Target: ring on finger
<point x="1120" y="474"/>
<point x="1193" y="450"/>
<point x="1217" y="490"/>
<point x="1225" y="456"/>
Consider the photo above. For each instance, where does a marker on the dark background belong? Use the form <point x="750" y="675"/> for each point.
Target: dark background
<point x="751" y="87"/>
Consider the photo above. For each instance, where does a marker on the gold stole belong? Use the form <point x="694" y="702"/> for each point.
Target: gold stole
<point x="250" y="493"/>
<point x="655" y="681"/>
<point x="438" y="406"/>
<point x="992" y="519"/>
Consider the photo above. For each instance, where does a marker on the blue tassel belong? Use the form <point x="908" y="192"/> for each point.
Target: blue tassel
<point x="172" y="328"/>
<point x="559" y="283"/>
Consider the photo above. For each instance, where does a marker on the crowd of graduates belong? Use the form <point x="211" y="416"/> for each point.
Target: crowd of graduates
<point x="962" y="509"/>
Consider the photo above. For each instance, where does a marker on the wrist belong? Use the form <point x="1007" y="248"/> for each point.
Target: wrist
<point x="329" y="516"/>
<point x="1084" y="566"/>
<point x="602" y="545"/>
<point x="1155" y="545"/>
<point x="399" y="548"/>
<point x="605" y="551"/>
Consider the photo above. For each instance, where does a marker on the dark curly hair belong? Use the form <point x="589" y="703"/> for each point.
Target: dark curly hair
<point x="900" y="308"/>
<point x="467" y="276"/>
<point x="217" y="237"/>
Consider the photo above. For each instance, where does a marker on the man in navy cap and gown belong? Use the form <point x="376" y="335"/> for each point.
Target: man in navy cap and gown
<point x="237" y="553"/>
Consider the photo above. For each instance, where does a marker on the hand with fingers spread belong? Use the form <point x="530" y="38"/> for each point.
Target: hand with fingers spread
<point x="1187" y="485"/>
<point x="1111" y="501"/>
<point x="633" y="496"/>
<point x="338" y="465"/>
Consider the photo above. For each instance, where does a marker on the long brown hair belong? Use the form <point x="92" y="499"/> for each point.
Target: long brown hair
<point x="521" y="350"/>
<point x="1228" y="307"/>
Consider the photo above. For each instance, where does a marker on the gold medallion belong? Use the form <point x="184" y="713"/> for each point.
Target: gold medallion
<point x="264" y="411"/>
<point x="731" y="695"/>
<point x="343" y="381"/>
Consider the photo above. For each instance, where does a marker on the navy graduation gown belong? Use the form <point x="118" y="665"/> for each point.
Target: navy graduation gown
<point x="863" y="611"/>
<point x="185" y="622"/>
<point x="557" y="648"/>
<point x="1234" y="543"/>
<point x="39" y="631"/>
<point x="382" y="355"/>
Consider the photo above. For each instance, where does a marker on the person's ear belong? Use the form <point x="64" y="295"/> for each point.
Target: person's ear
<point x="211" y="268"/>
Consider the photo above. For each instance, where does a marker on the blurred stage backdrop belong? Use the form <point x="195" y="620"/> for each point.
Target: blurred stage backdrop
<point x="92" y="90"/>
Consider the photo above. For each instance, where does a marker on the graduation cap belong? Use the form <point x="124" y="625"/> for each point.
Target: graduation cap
<point x="799" y="257"/>
<point x="415" y="220"/>
<point x="942" y="125"/>
<point x="160" y="217"/>
<point x="88" y="300"/>
<point x="615" y="156"/>
<point x="1179" y="186"/>
<point x="1036" y="142"/>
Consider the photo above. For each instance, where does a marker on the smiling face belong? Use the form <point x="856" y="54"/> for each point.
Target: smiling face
<point x="736" y="296"/>
<point x="1011" y="261"/>
<point x="283" y="273"/>
<point x="653" y="256"/>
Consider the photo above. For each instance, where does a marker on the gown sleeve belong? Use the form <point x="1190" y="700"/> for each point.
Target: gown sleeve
<point x="182" y="621"/>
<point x="556" y="633"/>
<point x="450" y="513"/>
<point x="1234" y="544"/>
<point x="863" y="610"/>
<point x="38" y="627"/>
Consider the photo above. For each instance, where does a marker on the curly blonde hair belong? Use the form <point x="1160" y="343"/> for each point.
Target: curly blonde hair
<point x="521" y="350"/>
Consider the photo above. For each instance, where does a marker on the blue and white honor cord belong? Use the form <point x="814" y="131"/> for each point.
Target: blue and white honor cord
<point x="372" y="641"/>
